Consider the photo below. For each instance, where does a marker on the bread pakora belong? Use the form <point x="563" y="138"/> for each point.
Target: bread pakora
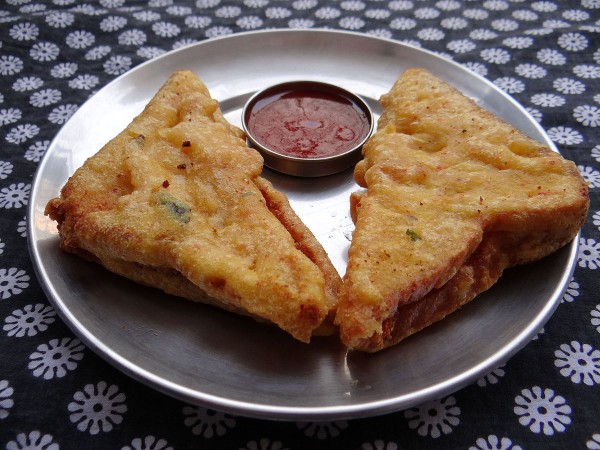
<point x="454" y="197"/>
<point x="176" y="201"/>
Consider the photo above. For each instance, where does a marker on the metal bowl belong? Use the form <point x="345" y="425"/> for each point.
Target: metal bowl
<point x="307" y="166"/>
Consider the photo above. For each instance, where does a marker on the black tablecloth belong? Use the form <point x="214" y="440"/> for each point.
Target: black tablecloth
<point x="55" y="393"/>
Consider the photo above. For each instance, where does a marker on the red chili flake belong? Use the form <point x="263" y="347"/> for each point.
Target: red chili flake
<point x="165" y="184"/>
<point x="186" y="144"/>
<point x="181" y="166"/>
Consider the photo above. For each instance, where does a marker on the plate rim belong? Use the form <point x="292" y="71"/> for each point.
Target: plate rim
<point x="259" y="410"/>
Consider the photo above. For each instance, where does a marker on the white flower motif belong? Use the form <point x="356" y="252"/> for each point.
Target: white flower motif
<point x="518" y="42"/>
<point x="146" y="16"/>
<point x="576" y="15"/>
<point x="79" y="39"/>
<point x="525" y="15"/>
<point x="401" y="5"/>
<point x="535" y="113"/>
<point x="580" y="362"/>
<point x="454" y="23"/>
<point x="542" y="411"/>
<point x="97" y="53"/>
<point x="132" y="37"/>
<point x="207" y="422"/>
<point x="6" y="401"/>
<point x="574" y="42"/>
<point x="482" y="34"/>
<point x="10" y="115"/>
<point x="165" y="29"/>
<point x="178" y="10"/>
<point x="377" y="14"/>
<point x="596" y="155"/>
<point x="44" y="51"/>
<point x="328" y="12"/>
<point x="595" y="321"/>
<point x="14" y="196"/>
<point x="461" y="46"/>
<point x="32" y="441"/>
<point x="427" y="13"/>
<point x="218" y="31"/>
<point x="352" y="23"/>
<point x="301" y="23"/>
<point x="116" y="65"/>
<point x="551" y="57"/>
<point x="302" y="5"/>
<point x="22" y="227"/>
<point x="150" y="52"/>
<point x="148" y="443"/>
<point x="249" y="22"/>
<point x="569" y="86"/>
<point x="24" y="31"/>
<point x="228" y="12"/>
<point x="594" y="442"/>
<point x="64" y="70"/>
<point x="505" y="25"/>
<point x="10" y="65"/>
<point x="531" y="71"/>
<point x="36" y="151"/>
<point x="546" y="100"/>
<point x="510" y="85"/>
<point x="434" y="418"/>
<point x="6" y="169"/>
<point x="58" y="19"/>
<point x="495" y="55"/>
<point x="589" y="253"/>
<point x="587" y="115"/>
<point x="571" y="292"/>
<point x="476" y="14"/>
<point x="198" y="21"/>
<point x="27" y="84"/>
<point x="565" y="135"/>
<point x="493" y="442"/>
<point x="431" y="34"/>
<point x="352" y="5"/>
<point x="379" y="444"/>
<point x="45" y="97"/>
<point x="477" y="67"/>
<point x="21" y="133"/>
<point x="590" y="175"/>
<point x="277" y="13"/>
<point x="544" y="6"/>
<point x="61" y="114"/>
<point x="495" y="5"/>
<point x="493" y="377"/>
<point x="12" y="282"/>
<point x="403" y="23"/>
<point x="264" y="444"/>
<point x="97" y="408"/>
<point x="587" y="71"/>
<point x="29" y="321"/>
<point x="112" y="23"/>
<point x="56" y="358"/>
<point x="322" y="430"/>
<point x="84" y="82"/>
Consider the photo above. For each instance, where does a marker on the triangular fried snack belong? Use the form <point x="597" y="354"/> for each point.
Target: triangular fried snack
<point x="454" y="197"/>
<point x="176" y="201"/>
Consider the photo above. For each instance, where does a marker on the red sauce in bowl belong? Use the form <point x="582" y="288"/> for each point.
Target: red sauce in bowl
<point x="307" y="120"/>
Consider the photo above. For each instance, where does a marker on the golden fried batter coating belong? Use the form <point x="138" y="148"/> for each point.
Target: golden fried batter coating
<point x="176" y="201"/>
<point x="454" y="197"/>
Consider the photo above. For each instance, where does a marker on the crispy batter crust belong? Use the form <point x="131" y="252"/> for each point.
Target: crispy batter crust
<point x="176" y="201"/>
<point x="454" y="197"/>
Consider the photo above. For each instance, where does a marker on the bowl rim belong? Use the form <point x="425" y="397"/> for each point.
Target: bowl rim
<point x="356" y="99"/>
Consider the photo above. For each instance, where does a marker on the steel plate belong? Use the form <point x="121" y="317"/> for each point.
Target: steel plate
<point x="209" y="357"/>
